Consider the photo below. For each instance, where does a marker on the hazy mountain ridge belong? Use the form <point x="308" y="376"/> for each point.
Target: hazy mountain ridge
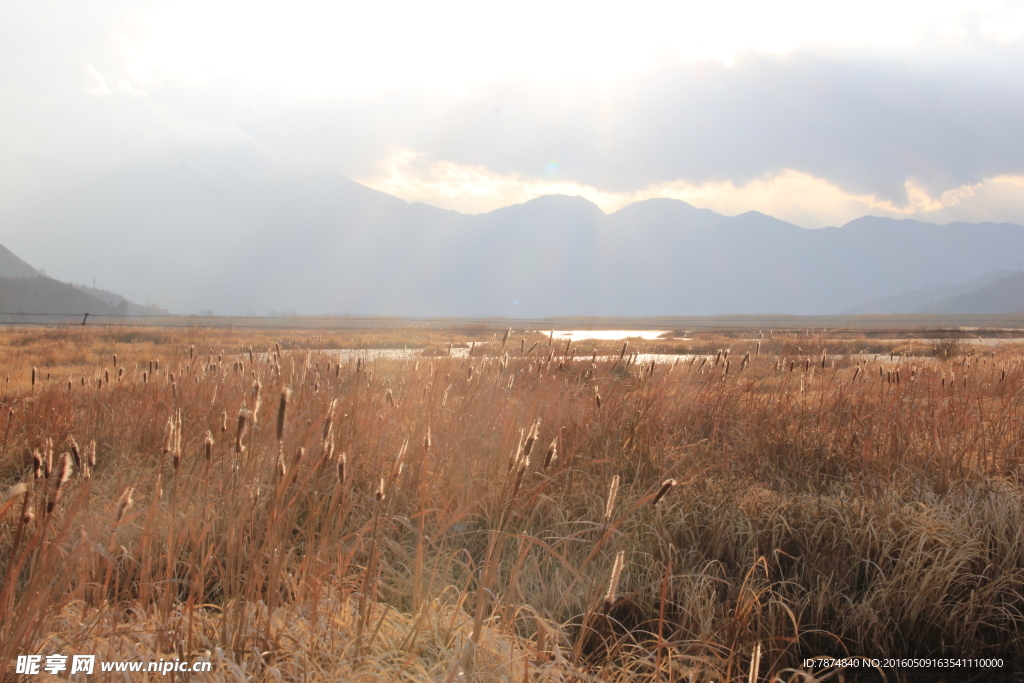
<point x="12" y="266"/>
<point x="247" y="241"/>
<point x="922" y="300"/>
<point x="41" y="295"/>
<point x="1005" y="295"/>
<point x="120" y="304"/>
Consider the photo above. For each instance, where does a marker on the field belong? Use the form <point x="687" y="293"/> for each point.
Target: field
<point x="507" y="506"/>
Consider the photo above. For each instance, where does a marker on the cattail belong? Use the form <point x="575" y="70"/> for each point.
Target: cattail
<point x="63" y="475"/>
<point x="75" y="453"/>
<point x="255" y="400"/>
<point x="597" y="399"/>
<point x="396" y="470"/>
<point x="123" y="503"/>
<point x="37" y="465"/>
<point x="380" y="490"/>
<point x="757" y="351"/>
<point x="613" y="581"/>
<point x="169" y="436"/>
<point x="176" y="448"/>
<point x="623" y="352"/>
<point x="325" y="436"/>
<point x="531" y="437"/>
<point x="243" y="415"/>
<point x="342" y="461"/>
<point x="856" y="372"/>
<point x="389" y="398"/>
<point x="613" y="491"/>
<point x="282" y="409"/>
<point x="19" y="489"/>
<point x="524" y="464"/>
<point x="208" y="445"/>
<point x="427" y="442"/>
<point x="666" y="486"/>
<point x="504" y="339"/>
<point x="35" y="372"/>
<point x="517" y="453"/>
<point x="552" y="454"/>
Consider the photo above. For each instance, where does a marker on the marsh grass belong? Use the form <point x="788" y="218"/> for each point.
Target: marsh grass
<point x="802" y="507"/>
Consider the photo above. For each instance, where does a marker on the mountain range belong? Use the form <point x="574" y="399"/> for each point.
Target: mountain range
<point x="239" y="242"/>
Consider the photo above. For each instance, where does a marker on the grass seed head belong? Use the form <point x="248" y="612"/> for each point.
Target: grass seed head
<point x="613" y="581"/>
<point x="64" y="471"/>
<point x="123" y="503"/>
<point x="613" y="492"/>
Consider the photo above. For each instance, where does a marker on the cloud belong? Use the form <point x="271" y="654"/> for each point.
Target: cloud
<point x="927" y="126"/>
<point x="790" y="195"/>
<point x="883" y="124"/>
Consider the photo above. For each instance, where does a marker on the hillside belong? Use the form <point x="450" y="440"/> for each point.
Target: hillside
<point x="921" y="300"/>
<point x="1005" y="295"/>
<point x="12" y="266"/>
<point x="46" y="296"/>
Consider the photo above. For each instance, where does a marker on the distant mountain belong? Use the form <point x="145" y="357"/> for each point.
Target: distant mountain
<point x="120" y="304"/>
<point x="25" y="291"/>
<point x="922" y="300"/>
<point x="45" y="296"/>
<point x="1005" y="295"/>
<point x="12" y="266"/>
<point x="241" y="240"/>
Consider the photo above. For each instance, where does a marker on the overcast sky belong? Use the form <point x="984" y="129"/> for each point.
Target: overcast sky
<point x="815" y="112"/>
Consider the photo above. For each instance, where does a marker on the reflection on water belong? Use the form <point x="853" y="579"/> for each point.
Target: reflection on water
<point x="610" y="335"/>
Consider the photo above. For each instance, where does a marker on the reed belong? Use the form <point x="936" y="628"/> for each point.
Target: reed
<point x="767" y="515"/>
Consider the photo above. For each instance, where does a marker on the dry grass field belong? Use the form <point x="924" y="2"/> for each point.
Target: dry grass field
<point x="523" y="510"/>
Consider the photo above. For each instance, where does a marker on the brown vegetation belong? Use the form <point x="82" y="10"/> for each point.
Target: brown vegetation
<point x="527" y="513"/>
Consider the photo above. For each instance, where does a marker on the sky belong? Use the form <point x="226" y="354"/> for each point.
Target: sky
<point x="816" y="113"/>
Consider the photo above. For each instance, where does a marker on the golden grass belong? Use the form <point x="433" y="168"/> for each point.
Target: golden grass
<point x="387" y="522"/>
